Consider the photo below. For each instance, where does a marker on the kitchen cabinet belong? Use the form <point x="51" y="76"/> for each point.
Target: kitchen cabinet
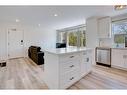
<point x="125" y="59"/>
<point x="119" y="58"/>
<point x="63" y="67"/>
<point x="69" y="69"/>
<point x="104" y="27"/>
<point x="86" y="62"/>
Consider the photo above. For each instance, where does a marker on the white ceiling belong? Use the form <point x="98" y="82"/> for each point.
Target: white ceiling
<point x="44" y="15"/>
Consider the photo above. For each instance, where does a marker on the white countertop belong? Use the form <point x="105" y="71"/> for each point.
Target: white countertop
<point x="122" y="48"/>
<point x="65" y="50"/>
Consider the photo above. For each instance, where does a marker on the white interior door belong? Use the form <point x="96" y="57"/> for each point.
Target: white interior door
<point x="15" y="44"/>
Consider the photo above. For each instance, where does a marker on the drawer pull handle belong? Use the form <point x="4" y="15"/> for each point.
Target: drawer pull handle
<point x="71" y="56"/>
<point x="72" y="78"/>
<point x="71" y="66"/>
<point x="87" y="60"/>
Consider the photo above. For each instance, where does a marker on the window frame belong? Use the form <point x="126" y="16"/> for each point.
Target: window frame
<point x="77" y="29"/>
<point x="120" y="21"/>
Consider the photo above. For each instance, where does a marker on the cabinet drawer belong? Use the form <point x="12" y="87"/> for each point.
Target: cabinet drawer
<point x="68" y="79"/>
<point x="69" y="66"/>
<point x="69" y="57"/>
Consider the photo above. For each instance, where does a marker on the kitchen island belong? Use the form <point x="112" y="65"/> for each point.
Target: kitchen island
<point x="65" y="66"/>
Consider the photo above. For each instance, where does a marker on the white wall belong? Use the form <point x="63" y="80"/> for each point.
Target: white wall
<point x="92" y="35"/>
<point x="92" y="32"/>
<point x="3" y="44"/>
<point x="105" y="42"/>
<point x="33" y="35"/>
<point x="39" y="37"/>
<point x="120" y="17"/>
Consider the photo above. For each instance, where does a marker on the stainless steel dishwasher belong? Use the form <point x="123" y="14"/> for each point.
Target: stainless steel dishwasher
<point x="103" y="56"/>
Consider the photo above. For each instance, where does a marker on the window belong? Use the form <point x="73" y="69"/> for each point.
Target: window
<point x="61" y="37"/>
<point x="82" y="38"/>
<point x="73" y="37"/>
<point x="119" y="30"/>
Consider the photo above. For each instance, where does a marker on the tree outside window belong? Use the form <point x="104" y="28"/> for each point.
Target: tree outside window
<point x="74" y="37"/>
<point x="120" y="32"/>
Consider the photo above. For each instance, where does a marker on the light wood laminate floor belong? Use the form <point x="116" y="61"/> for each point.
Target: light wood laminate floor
<point x="22" y="73"/>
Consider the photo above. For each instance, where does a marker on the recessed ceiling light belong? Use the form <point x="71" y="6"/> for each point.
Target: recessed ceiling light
<point x="39" y="25"/>
<point x="55" y="14"/>
<point x="17" y="20"/>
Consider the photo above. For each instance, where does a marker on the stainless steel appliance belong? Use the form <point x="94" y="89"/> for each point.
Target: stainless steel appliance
<point x="103" y="56"/>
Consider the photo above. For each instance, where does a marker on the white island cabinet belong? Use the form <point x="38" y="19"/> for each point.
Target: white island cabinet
<point x="63" y="67"/>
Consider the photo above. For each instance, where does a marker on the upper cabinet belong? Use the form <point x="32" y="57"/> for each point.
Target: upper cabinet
<point x="104" y="27"/>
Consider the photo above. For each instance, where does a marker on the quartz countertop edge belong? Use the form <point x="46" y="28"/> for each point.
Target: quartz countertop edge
<point x="119" y="48"/>
<point x="124" y="48"/>
<point x="59" y="51"/>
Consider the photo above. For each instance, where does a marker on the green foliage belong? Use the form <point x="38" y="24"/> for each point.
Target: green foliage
<point x="82" y="39"/>
<point x="121" y="32"/>
<point x="119" y="38"/>
<point x="72" y="39"/>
